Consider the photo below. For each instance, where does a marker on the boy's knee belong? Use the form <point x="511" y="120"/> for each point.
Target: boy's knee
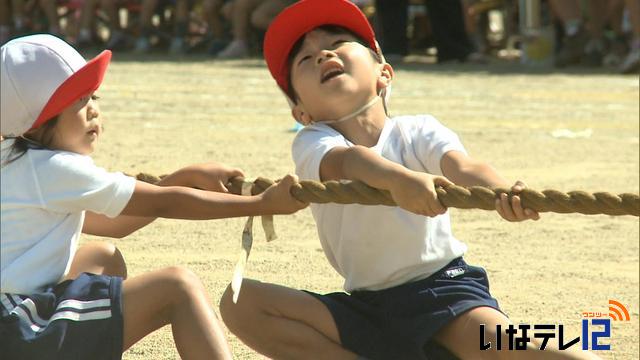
<point x="105" y="255"/>
<point x="183" y="279"/>
<point x="118" y="264"/>
<point x="112" y="259"/>
<point x="182" y="284"/>
<point x="227" y="306"/>
<point x="235" y="315"/>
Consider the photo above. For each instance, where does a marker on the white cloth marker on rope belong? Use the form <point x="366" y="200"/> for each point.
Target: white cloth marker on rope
<point x="267" y="226"/>
<point x="247" y="242"/>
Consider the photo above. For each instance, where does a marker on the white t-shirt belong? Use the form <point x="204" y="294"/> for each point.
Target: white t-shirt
<point x="44" y="196"/>
<point x="377" y="247"/>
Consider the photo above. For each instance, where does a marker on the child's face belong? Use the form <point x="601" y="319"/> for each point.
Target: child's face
<point x="332" y="74"/>
<point x="78" y="127"/>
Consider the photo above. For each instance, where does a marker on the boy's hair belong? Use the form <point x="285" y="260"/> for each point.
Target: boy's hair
<point x="331" y="29"/>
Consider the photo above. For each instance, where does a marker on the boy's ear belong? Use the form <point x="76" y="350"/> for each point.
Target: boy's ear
<point x="386" y="76"/>
<point x="298" y="112"/>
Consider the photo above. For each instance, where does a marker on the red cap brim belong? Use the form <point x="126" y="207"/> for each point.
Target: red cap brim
<point x="81" y="83"/>
<point x="300" y="18"/>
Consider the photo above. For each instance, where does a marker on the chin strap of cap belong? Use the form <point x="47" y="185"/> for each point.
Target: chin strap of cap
<point x="355" y="113"/>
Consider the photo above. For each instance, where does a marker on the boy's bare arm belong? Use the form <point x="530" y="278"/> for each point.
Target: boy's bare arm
<point x="411" y="190"/>
<point x="177" y="202"/>
<point x="466" y="171"/>
<point x="359" y="163"/>
<point x="151" y="201"/>
<point x="208" y="176"/>
<point x="118" y="227"/>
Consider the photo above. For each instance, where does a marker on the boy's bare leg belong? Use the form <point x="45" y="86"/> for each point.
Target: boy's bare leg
<point x="282" y="323"/>
<point x="98" y="258"/>
<point x="173" y="296"/>
<point x="462" y="337"/>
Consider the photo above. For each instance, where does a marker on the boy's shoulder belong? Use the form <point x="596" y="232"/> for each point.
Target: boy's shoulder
<point x="415" y="122"/>
<point x="414" y="119"/>
<point x="55" y="163"/>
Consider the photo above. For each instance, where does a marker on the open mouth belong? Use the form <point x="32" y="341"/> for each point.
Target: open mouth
<point x="331" y="74"/>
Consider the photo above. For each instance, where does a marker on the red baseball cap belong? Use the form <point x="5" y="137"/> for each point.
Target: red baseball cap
<point x="41" y="76"/>
<point x="300" y="18"/>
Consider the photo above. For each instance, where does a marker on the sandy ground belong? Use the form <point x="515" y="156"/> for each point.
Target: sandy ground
<point x="162" y="115"/>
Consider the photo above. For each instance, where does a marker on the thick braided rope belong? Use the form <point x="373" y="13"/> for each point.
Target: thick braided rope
<point x="474" y="197"/>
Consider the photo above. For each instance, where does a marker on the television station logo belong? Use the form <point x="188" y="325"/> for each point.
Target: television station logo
<point x="596" y="328"/>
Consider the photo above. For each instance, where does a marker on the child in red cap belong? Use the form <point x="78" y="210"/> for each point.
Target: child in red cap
<point x="409" y="293"/>
<point x="56" y="302"/>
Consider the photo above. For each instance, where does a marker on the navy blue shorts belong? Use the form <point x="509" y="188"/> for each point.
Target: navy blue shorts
<point x="400" y="322"/>
<point x="76" y="319"/>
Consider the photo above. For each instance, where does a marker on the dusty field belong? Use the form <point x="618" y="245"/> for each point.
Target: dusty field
<point x="162" y="115"/>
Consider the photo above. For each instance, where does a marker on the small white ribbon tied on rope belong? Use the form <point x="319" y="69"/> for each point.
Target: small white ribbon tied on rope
<point x="247" y="243"/>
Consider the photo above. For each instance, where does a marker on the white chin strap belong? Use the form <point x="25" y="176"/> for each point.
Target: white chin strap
<point x="353" y="114"/>
<point x="384" y="95"/>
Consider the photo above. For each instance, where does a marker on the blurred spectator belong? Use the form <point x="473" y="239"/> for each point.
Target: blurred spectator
<point x="392" y="19"/>
<point x="617" y="41"/>
<point x="111" y="18"/>
<point x="246" y="14"/>
<point x="5" y="21"/>
<point x="180" y="25"/>
<point x="449" y="32"/>
<point x="18" y="9"/>
<point x="22" y="11"/>
<point x="50" y="9"/>
<point x="582" y="42"/>
<point x="216" y="36"/>
<point x="446" y="18"/>
<point x="631" y="63"/>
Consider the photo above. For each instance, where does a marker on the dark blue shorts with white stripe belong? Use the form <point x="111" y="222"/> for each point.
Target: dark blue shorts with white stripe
<point x="76" y="319"/>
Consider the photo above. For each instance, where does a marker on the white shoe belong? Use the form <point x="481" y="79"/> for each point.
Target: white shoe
<point x="631" y="63"/>
<point x="235" y="50"/>
<point x="142" y="45"/>
<point x="177" y="47"/>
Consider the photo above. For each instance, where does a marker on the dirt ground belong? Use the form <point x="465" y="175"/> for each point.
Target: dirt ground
<point x="162" y="115"/>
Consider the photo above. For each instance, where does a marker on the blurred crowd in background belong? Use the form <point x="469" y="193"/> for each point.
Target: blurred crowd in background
<point x="593" y="33"/>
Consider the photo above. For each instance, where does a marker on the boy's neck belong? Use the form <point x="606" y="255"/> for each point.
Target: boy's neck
<point x="365" y="128"/>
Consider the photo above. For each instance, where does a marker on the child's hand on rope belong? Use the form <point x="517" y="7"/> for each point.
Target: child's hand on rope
<point x="514" y="211"/>
<point x="278" y="199"/>
<point x="416" y="192"/>
<point x="209" y="176"/>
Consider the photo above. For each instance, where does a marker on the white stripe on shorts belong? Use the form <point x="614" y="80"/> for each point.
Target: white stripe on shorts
<point x="38" y="324"/>
<point x="81" y="305"/>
